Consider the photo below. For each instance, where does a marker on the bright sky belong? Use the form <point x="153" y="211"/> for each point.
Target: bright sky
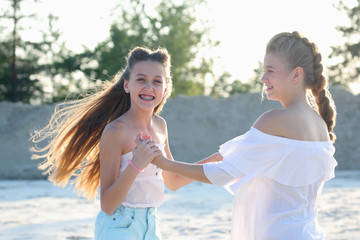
<point x="243" y="27"/>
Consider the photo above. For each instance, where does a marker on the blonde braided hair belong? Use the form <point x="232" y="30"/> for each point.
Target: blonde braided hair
<point x="300" y="52"/>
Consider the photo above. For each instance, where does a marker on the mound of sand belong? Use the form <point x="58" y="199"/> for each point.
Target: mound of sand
<point x="196" y="125"/>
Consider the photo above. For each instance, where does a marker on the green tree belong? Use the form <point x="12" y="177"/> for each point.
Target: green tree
<point x="221" y="87"/>
<point x="19" y="58"/>
<point x="172" y="27"/>
<point x="41" y="71"/>
<point x="348" y="69"/>
<point x="255" y="82"/>
<point x="62" y="68"/>
<point x="224" y="86"/>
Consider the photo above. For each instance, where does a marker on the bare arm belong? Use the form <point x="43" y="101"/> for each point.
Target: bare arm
<point x="175" y="181"/>
<point x="113" y="188"/>
<point x="188" y="170"/>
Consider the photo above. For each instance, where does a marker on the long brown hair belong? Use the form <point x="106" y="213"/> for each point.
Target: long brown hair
<point x="74" y="130"/>
<point x="300" y="52"/>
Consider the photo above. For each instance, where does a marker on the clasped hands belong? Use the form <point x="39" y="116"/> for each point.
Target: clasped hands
<point x="145" y="152"/>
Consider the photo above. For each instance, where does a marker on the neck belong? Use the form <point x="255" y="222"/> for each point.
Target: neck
<point x="141" y="118"/>
<point x="295" y="99"/>
<point x="296" y="104"/>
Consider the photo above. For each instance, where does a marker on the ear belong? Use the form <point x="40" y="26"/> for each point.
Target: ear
<point x="298" y="75"/>
<point x="126" y="86"/>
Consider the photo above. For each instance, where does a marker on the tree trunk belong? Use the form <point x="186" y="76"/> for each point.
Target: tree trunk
<point x="14" y="80"/>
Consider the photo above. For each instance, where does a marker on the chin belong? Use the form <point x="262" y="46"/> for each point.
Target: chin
<point x="269" y="96"/>
<point x="272" y="98"/>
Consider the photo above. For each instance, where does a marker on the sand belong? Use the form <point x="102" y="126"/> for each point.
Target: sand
<point x="35" y="209"/>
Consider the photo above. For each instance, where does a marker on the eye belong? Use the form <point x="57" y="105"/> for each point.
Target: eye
<point x="140" y="79"/>
<point x="158" y="81"/>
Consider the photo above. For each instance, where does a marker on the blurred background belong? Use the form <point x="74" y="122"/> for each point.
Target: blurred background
<point x="51" y="50"/>
<point x="55" y="50"/>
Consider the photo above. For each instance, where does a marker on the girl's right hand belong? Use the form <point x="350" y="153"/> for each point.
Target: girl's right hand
<point x="145" y="151"/>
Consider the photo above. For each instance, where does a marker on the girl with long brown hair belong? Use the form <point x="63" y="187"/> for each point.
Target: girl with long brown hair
<point x="92" y="144"/>
<point x="277" y="169"/>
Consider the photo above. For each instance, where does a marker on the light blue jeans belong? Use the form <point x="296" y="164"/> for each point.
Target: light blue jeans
<point x="128" y="223"/>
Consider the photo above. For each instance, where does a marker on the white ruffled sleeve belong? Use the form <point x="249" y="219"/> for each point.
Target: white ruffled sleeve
<point x="259" y="155"/>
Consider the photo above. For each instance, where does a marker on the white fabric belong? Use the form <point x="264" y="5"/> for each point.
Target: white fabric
<point x="148" y="187"/>
<point x="276" y="182"/>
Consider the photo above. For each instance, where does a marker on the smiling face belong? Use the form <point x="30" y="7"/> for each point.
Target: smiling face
<point x="147" y="84"/>
<point x="277" y="78"/>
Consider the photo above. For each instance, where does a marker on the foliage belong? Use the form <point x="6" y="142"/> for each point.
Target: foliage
<point x="46" y="71"/>
<point x="19" y="59"/>
<point x="348" y="70"/>
<point x="255" y="82"/>
<point x="172" y="27"/>
<point x="224" y="87"/>
<point x="24" y="64"/>
<point x="5" y="73"/>
<point x="26" y="86"/>
<point x="221" y="87"/>
<point x="62" y="67"/>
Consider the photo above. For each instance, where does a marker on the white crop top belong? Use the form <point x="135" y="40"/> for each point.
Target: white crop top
<point x="148" y="187"/>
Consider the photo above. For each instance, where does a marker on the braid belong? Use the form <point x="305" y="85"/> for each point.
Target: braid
<point x="300" y="52"/>
<point x="319" y="90"/>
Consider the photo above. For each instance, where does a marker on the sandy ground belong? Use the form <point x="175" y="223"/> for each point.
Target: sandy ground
<point x="35" y="209"/>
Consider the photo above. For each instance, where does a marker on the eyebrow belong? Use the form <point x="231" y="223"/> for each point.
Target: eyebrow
<point x="141" y="74"/>
<point x="269" y="66"/>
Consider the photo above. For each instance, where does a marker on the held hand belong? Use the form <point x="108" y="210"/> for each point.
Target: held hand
<point x="158" y="160"/>
<point x="144" y="152"/>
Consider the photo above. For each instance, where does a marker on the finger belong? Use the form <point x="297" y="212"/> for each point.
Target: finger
<point x="157" y="153"/>
<point x="139" y="138"/>
<point x="150" y="143"/>
<point x="146" y="136"/>
<point x="154" y="148"/>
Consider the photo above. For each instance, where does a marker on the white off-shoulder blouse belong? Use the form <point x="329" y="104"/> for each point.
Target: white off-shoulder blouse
<point x="276" y="183"/>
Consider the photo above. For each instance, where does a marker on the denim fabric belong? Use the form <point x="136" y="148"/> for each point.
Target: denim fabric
<point x="128" y="223"/>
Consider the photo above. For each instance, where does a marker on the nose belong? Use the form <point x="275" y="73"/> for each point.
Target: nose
<point x="148" y="86"/>
<point x="264" y="78"/>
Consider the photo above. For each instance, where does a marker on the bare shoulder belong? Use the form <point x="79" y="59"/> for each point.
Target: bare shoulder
<point x="160" y="123"/>
<point x="114" y="134"/>
<point x="271" y="122"/>
<point x="115" y="128"/>
<point x="159" y="120"/>
<point x="299" y="124"/>
<point x="160" y="129"/>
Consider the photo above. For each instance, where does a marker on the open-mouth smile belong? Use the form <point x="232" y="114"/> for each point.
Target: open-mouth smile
<point x="146" y="97"/>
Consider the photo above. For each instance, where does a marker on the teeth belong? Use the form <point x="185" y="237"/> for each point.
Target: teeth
<point x="146" y="97"/>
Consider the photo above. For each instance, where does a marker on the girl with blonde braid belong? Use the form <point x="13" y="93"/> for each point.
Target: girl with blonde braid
<point x="92" y="142"/>
<point x="278" y="168"/>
